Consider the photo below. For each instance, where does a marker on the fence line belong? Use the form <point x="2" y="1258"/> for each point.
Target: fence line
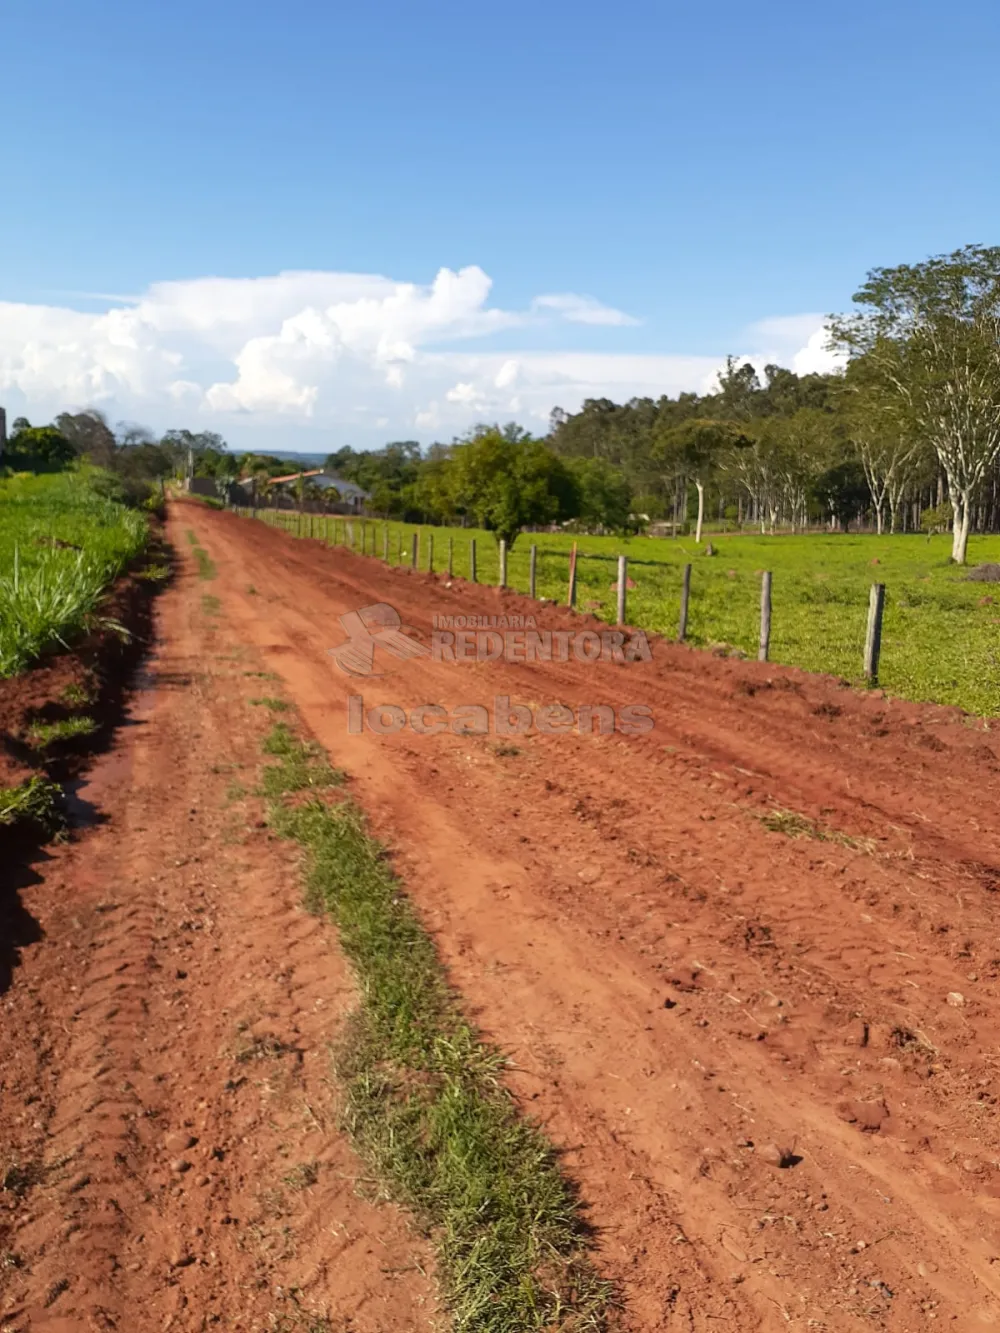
<point x="342" y="532"/>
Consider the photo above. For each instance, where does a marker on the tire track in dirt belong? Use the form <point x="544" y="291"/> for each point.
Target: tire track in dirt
<point x="687" y="995"/>
<point x="164" y="1050"/>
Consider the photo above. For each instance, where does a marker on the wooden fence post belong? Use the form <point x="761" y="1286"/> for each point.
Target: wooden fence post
<point x="502" y="578"/>
<point x="622" y="583"/>
<point x="873" y="638"/>
<point x="472" y="559"/>
<point x="532" y="571"/>
<point x="430" y="553"/>
<point x="416" y="549"/>
<point x="385" y="543"/>
<point x="765" y="616"/>
<point x="571" y="590"/>
<point x="685" y="598"/>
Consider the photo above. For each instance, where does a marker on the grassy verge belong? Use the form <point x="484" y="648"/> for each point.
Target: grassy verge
<point x="61" y="544"/>
<point x="425" y="1099"/>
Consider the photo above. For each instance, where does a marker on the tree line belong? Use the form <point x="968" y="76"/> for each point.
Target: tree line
<point x="132" y="455"/>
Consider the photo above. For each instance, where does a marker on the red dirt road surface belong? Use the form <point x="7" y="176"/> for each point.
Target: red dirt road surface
<point x="746" y="967"/>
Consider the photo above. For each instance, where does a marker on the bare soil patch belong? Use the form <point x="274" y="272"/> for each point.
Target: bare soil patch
<point x="746" y="965"/>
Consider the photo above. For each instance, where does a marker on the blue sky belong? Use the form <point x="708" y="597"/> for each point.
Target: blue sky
<point x="694" y="170"/>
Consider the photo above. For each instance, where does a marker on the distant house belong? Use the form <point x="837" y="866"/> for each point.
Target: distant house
<point x="350" y="496"/>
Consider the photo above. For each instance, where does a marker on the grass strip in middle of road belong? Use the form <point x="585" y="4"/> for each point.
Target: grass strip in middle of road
<point x="425" y="1098"/>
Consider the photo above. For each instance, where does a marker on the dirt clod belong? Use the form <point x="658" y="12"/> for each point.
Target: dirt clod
<point x="868" y="1116"/>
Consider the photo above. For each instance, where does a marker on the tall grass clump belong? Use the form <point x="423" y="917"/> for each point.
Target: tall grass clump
<point x="61" y="544"/>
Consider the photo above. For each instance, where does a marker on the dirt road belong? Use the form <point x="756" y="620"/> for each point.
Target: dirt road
<point x="770" y="1060"/>
<point x="170" y="1156"/>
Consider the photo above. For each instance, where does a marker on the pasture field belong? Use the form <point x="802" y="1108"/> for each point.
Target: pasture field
<point x="61" y="544"/>
<point x="941" y="631"/>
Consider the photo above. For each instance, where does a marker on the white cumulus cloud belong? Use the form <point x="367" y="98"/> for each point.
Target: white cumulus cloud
<point x="340" y="357"/>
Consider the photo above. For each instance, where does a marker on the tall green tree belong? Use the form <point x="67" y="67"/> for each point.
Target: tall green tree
<point x="842" y="491"/>
<point x="603" y="495"/>
<point x="739" y="390"/>
<point x="89" y="434"/>
<point x="694" y="450"/>
<point x="930" y="335"/>
<point x="38" y="449"/>
<point x="509" y="484"/>
<point x="883" y="438"/>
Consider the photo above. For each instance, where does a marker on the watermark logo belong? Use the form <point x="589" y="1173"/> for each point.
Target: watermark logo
<point x="378" y="626"/>
<point x="516" y="639"/>
<point x="505" y="719"/>
<point x="482" y="638"/>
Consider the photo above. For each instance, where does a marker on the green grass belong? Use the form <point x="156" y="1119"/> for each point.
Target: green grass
<point x="941" y="633"/>
<point x="44" y="734"/>
<point x="795" y="825"/>
<point x="425" y="1098"/>
<point x="75" y="694"/>
<point x="299" y="768"/>
<point x="206" y="566"/>
<point x="61" y="545"/>
<point x="275" y="705"/>
<point x="157" y="572"/>
<point x="34" y="801"/>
